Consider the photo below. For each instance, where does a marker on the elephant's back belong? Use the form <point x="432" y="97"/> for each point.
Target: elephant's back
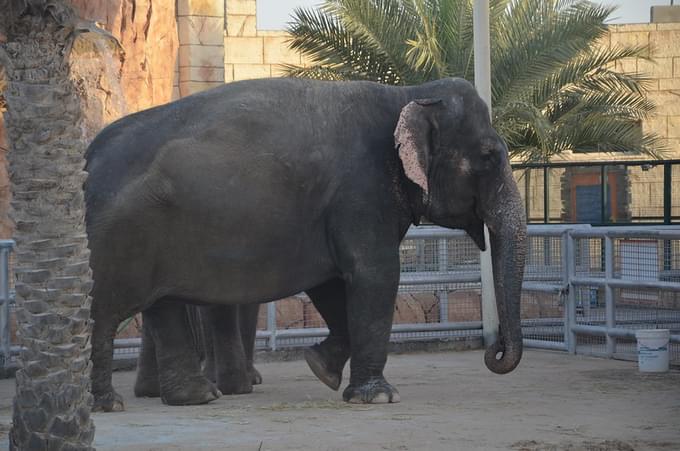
<point x="284" y="126"/>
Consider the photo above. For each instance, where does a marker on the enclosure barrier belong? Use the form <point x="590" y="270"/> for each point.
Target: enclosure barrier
<point x="585" y="290"/>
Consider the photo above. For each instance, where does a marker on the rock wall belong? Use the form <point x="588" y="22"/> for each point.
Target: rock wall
<point x="147" y="30"/>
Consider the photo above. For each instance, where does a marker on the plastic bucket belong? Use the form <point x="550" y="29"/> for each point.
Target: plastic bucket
<point x="652" y="346"/>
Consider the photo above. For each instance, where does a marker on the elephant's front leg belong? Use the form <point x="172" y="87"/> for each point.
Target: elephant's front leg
<point x="230" y="362"/>
<point x="179" y="373"/>
<point x="371" y="293"/>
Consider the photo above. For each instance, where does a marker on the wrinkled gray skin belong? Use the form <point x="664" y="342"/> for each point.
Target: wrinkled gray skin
<point x="257" y="190"/>
<point x="227" y="363"/>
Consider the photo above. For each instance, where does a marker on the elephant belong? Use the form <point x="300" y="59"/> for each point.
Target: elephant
<point x="256" y="190"/>
<point x="228" y="364"/>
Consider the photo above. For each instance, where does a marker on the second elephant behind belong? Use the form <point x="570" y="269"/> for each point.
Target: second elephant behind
<point x="226" y="361"/>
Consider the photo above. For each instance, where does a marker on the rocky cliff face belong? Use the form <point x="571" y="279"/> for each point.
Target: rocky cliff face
<point x="147" y="31"/>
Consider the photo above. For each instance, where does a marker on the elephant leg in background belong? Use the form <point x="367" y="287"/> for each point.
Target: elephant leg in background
<point x="146" y="383"/>
<point x="221" y="323"/>
<point x="179" y="373"/>
<point x="248" y="314"/>
<point x="327" y="359"/>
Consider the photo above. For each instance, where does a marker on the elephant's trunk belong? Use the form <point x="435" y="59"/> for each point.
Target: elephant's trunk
<point x="506" y="220"/>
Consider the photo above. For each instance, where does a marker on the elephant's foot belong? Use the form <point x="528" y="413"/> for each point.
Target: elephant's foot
<point x="254" y="375"/>
<point x="189" y="391"/>
<point x="109" y="401"/>
<point x="327" y="360"/>
<point x="209" y="370"/>
<point x="374" y="391"/>
<point x="147" y="386"/>
<point x="235" y="383"/>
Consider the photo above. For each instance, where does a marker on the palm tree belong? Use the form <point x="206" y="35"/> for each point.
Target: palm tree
<point x="555" y="88"/>
<point x="52" y="73"/>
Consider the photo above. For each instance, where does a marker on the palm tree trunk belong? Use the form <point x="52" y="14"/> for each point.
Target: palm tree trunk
<point x="49" y="123"/>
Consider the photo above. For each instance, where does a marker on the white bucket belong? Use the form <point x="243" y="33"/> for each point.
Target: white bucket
<point x="652" y="345"/>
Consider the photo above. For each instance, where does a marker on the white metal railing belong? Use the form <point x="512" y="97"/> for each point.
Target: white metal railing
<point x="552" y="272"/>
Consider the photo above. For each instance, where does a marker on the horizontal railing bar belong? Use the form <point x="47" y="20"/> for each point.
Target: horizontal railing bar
<point x="437" y="278"/>
<point x="657" y="233"/>
<point x="543" y="287"/>
<point x="615" y="332"/>
<point x="623" y="283"/>
<point x="540" y="344"/>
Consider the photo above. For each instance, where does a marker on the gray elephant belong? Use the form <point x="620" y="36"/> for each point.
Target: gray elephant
<point x="229" y="364"/>
<point x="257" y="190"/>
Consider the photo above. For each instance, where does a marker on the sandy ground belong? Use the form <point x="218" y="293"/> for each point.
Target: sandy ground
<point x="553" y="401"/>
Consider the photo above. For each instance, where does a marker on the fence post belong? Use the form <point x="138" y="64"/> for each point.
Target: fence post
<point x="443" y="295"/>
<point x="271" y="324"/>
<point x="6" y="247"/>
<point x="610" y="312"/>
<point x="570" y="308"/>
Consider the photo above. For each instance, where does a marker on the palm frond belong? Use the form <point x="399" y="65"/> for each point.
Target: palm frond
<point x="551" y="76"/>
<point x="326" y="41"/>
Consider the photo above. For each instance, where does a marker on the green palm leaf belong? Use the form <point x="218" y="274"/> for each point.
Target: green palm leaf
<point x="553" y="85"/>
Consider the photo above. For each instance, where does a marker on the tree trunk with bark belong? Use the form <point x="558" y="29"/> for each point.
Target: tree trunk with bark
<point x="58" y="95"/>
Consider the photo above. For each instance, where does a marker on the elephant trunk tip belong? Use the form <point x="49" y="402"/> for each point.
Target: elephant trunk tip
<point x="502" y="359"/>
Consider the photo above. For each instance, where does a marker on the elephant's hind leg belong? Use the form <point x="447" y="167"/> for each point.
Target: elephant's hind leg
<point x="180" y="378"/>
<point x="328" y="358"/>
<point x="221" y="322"/>
<point x="146" y="383"/>
<point x="248" y="314"/>
<point x="106" y="399"/>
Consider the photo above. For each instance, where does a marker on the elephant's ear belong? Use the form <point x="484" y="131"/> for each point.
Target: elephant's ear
<point x="412" y="140"/>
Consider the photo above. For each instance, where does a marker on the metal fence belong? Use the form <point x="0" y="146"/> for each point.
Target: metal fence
<point x="586" y="290"/>
<point x="601" y="193"/>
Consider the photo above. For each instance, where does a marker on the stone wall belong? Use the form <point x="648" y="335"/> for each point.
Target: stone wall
<point x="663" y="71"/>
<point x="253" y="53"/>
<point x="147" y="30"/>
<point x="249" y="52"/>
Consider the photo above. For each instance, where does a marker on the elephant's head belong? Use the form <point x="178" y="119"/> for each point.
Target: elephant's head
<point x="449" y="149"/>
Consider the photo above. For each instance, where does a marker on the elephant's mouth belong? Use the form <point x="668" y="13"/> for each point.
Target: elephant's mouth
<point x="471" y="223"/>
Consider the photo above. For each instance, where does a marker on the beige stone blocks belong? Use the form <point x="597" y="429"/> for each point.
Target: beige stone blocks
<point x="239" y="26"/>
<point x="201" y="56"/>
<point x="242" y="7"/>
<point x="200" y="30"/>
<point x="628" y="65"/>
<point x="191" y="87"/>
<point x="669" y="84"/>
<point x="667" y="102"/>
<point x="674" y="127"/>
<point x="212" y="8"/>
<point x="665" y="43"/>
<point x="276" y="51"/>
<point x="632" y="27"/>
<point x="656" y="68"/>
<point x="638" y="38"/>
<point x="656" y="124"/>
<point x="245" y="50"/>
<point x="204" y="73"/>
<point x="250" y="71"/>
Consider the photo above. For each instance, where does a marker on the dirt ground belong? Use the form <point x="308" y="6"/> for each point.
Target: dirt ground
<point x="553" y="401"/>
